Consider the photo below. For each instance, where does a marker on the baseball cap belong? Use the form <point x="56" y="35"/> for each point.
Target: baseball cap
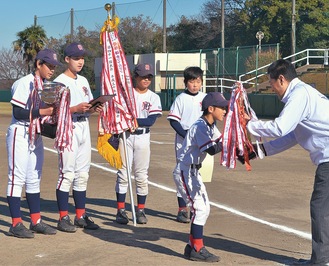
<point x="74" y="49"/>
<point x="214" y="99"/>
<point x="48" y="56"/>
<point x="143" y="70"/>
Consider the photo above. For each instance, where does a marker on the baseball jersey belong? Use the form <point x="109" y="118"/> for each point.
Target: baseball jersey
<point x="186" y="109"/>
<point x="199" y="138"/>
<point x="20" y="92"/>
<point x="147" y="103"/>
<point x="79" y="89"/>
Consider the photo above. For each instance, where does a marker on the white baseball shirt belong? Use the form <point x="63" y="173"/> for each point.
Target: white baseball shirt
<point x="138" y="146"/>
<point x="186" y="109"/>
<point x="199" y="138"/>
<point x="23" y="164"/>
<point x="76" y="162"/>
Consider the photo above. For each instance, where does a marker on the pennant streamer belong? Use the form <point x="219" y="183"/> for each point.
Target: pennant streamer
<point x="119" y="114"/>
<point x="235" y="135"/>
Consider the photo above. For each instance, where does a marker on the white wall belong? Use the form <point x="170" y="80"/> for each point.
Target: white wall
<point x="164" y="64"/>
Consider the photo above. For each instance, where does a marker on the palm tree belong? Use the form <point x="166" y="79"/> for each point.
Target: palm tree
<point x="30" y="41"/>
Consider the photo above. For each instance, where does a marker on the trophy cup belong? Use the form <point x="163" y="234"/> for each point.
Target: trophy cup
<point x="51" y="95"/>
<point x="51" y="92"/>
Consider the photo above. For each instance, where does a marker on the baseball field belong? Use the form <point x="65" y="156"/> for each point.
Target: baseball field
<point x="258" y="217"/>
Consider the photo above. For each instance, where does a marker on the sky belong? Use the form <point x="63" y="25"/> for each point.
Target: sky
<point x="54" y="16"/>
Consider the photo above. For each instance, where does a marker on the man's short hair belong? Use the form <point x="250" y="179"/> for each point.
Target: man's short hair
<point x="282" y="67"/>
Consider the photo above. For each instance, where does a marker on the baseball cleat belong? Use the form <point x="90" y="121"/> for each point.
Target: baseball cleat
<point x="19" y="230"/>
<point x="43" y="228"/>
<point x="203" y="255"/>
<point x="141" y="217"/>
<point x="85" y="222"/>
<point x="182" y="216"/>
<point x="65" y="225"/>
<point x="122" y="217"/>
<point x="187" y="251"/>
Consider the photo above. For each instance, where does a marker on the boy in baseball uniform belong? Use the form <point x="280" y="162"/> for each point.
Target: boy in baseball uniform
<point x="25" y="146"/>
<point x="202" y="137"/>
<point x="74" y="164"/>
<point x="184" y="111"/>
<point x="148" y="107"/>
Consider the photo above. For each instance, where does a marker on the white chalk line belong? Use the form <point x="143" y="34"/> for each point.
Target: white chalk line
<point x="283" y="228"/>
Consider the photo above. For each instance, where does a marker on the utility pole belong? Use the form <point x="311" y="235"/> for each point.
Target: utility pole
<point x="164" y="36"/>
<point x="222" y="26"/>
<point x="293" y="30"/>
<point x="72" y="26"/>
<point x="223" y="35"/>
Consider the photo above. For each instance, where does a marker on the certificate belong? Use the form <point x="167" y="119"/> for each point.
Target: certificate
<point x="100" y="100"/>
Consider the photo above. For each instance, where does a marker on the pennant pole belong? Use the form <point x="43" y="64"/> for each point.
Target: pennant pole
<point x="124" y="138"/>
<point x="110" y="25"/>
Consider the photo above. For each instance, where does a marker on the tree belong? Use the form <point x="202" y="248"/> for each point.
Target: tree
<point x="186" y="35"/>
<point x="12" y="67"/>
<point x="30" y="41"/>
<point x="211" y="15"/>
<point x="273" y="17"/>
<point x="139" y="35"/>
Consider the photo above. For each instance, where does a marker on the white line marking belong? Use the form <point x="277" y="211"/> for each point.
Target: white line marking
<point x="283" y="228"/>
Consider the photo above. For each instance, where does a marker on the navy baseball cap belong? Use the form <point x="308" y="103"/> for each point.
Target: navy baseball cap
<point x="48" y="56"/>
<point x="75" y="50"/>
<point x="144" y="70"/>
<point x="214" y="99"/>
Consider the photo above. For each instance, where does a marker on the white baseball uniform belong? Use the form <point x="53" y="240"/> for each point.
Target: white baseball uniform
<point x="186" y="109"/>
<point x="138" y="145"/>
<point x="24" y="165"/>
<point x="199" y="138"/>
<point x="74" y="164"/>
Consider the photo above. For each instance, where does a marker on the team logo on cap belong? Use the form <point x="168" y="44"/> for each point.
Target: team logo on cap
<point x="147" y="67"/>
<point x="80" y="47"/>
<point x="55" y="57"/>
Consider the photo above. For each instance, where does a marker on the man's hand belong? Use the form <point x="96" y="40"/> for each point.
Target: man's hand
<point x="251" y="155"/>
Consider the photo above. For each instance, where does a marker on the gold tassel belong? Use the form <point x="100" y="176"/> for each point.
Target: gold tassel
<point x="108" y="152"/>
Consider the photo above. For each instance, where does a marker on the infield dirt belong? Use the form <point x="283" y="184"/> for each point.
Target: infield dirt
<point x="260" y="217"/>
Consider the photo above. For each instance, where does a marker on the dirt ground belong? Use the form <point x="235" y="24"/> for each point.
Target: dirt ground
<point x="260" y="217"/>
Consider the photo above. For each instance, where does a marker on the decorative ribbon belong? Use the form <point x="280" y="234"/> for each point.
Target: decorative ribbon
<point x="62" y="117"/>
<point x="119" y="114"/>
<point x="235" y="135"/>
<point x="64" y="131"/>
<point x="34" y="126"/>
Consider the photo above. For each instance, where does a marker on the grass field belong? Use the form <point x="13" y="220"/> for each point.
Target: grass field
<point x="5" y="108"/>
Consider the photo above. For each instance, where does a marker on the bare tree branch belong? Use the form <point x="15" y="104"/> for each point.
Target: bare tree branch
<point x="12" y="67"/>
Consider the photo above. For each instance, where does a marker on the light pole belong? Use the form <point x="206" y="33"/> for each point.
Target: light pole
<point x="293" y="30"/>
<point x="260" y="36"/>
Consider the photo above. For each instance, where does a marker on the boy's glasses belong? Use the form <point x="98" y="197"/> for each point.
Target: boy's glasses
<point x="149" y="77"/>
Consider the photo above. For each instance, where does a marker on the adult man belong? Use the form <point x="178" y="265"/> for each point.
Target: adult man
<point x="304" y="120"/>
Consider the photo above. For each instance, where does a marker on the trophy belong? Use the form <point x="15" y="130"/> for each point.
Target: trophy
<point x="51" y="94"/>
